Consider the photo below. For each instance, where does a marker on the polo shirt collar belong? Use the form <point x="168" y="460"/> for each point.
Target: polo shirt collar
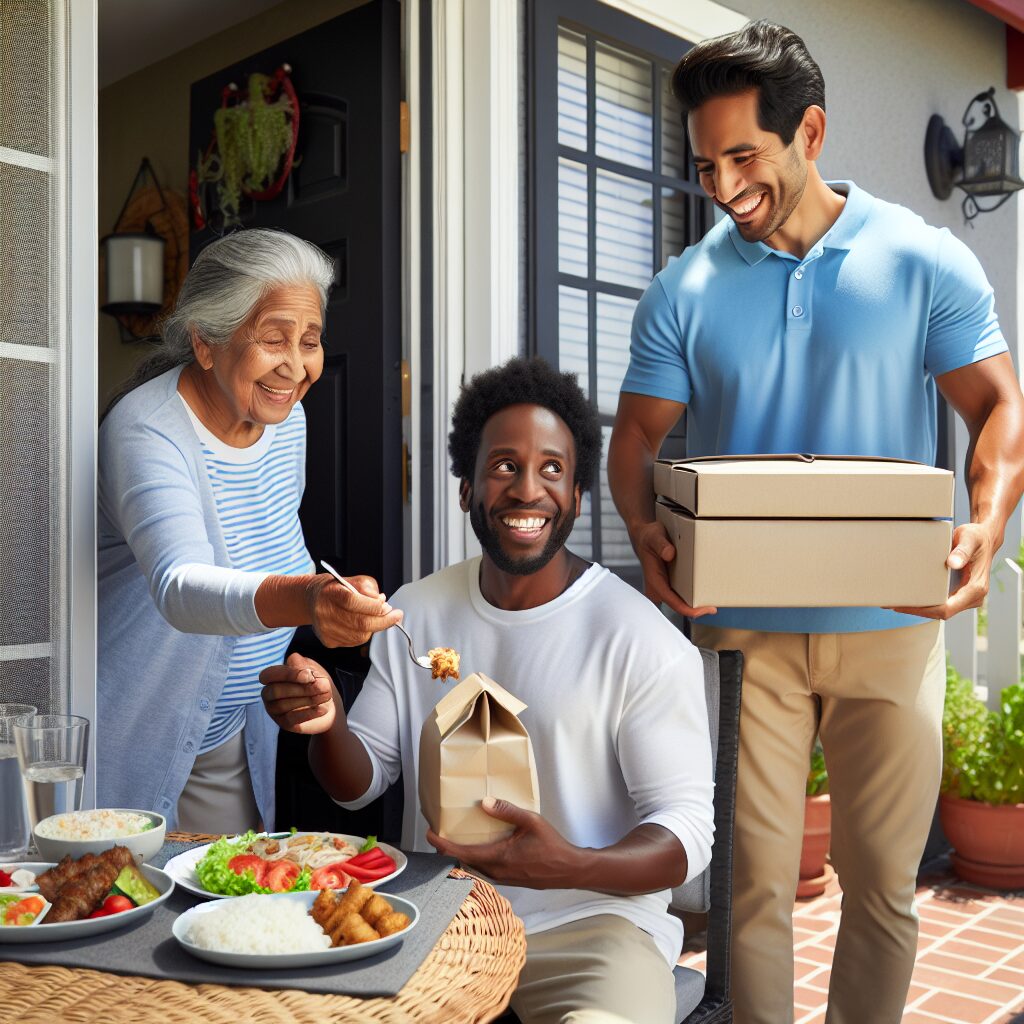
<point x="839" y="236"/>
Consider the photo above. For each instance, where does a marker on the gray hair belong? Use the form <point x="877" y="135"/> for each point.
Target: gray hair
<point x="227" y="280"/>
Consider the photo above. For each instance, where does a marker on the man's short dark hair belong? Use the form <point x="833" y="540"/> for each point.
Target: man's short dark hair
<point x="524" y="382"/>
<point x="762" y="56"/>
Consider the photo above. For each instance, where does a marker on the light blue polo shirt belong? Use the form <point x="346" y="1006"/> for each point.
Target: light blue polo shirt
<point x="835" y="354"/>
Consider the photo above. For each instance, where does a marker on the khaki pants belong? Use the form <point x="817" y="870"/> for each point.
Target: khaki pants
<point x="602" y="970"/>
<point x="876" y="700"/>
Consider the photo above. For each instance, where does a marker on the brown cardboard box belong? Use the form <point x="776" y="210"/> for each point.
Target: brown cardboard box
<point x="800" y="531"/>
<point x="473" y="745"/>
<point x="805" y="486"/>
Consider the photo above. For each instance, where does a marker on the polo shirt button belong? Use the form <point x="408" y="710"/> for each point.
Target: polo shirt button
<point x="204" y="704"/>
<point x="799" y="274"/>
<point x="189" y="747"/>
<point x="798" y="311"/>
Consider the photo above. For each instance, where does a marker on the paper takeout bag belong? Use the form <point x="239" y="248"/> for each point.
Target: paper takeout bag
<point x="473" y="745"/>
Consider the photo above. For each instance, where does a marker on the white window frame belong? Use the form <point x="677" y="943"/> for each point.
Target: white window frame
<point x="476" y="203"/>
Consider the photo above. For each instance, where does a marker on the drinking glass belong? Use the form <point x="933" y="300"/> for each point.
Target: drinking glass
<point x="51" y="751"/>
<point x="14" y="830"/>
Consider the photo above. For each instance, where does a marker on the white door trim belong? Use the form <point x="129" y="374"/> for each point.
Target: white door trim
<point x="476" y="138"/>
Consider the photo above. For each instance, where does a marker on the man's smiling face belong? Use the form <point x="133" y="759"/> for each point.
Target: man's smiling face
<point x="523" y="500"/>
<point x="748" y="172"/>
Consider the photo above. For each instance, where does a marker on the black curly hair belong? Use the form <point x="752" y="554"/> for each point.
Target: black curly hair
<point x="527" y="382"/>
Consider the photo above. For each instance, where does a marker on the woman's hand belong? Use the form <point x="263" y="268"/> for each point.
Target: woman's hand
<point x="340" y="618"/>
<point x="299" y="696"/>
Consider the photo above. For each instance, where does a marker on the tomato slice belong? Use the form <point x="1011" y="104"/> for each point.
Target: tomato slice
<point x="250" y="862"/>
<point x="330" y="876"/>
<point x="280" y="875"/>
<point x="5" y="879"/>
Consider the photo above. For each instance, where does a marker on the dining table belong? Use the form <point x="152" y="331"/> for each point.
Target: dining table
<point x="468" y="976"/>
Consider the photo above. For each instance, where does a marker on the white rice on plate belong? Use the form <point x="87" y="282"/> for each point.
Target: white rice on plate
<point x="81" y="826"/>
<point x="255" y="924"/>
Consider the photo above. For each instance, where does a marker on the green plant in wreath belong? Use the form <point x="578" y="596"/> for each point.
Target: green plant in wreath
<point x="253" y="145"/>
<point x="983" y="750"/>
<point x="817" y="776"/>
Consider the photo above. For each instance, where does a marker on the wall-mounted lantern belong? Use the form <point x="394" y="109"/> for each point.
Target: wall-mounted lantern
<point x="985" y="167"/>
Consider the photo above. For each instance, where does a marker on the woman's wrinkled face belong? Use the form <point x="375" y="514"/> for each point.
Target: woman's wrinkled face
<point x="273" y="358"/>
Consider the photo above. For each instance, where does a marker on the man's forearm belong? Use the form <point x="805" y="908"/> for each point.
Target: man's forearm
<point x="630" y="476"/>
<point x="649" y="859"/>
<point x="339" y="760"/>
<point x="995" y="467"/>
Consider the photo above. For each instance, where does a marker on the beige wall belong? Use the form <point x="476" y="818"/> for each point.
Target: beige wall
<point x="146" y="114"/>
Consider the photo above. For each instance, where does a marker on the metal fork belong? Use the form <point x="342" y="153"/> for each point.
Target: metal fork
<point x="421" y="660"/>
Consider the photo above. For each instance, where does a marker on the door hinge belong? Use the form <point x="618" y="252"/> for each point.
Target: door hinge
<point x="403" y="127"/>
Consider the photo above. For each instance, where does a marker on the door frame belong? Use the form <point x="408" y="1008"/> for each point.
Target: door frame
<point x="478" y="315"/>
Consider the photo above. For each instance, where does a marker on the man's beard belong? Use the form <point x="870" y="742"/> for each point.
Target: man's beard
<point x="561" y="527"/>
<point x="782" y="202"/>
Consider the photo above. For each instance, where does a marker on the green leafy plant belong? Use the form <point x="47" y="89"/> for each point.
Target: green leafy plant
<point x="983" y="750"/>
<point x="251" y="137"/>
<point x="817" y="776"/>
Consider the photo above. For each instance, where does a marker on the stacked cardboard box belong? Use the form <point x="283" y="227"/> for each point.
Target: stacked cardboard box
<point x="806" y="531"/>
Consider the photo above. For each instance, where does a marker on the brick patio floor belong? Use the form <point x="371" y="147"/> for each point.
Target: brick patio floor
<point x="970" y="954"/>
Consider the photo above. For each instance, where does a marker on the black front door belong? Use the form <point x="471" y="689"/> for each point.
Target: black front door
<point x="344" y="194"/>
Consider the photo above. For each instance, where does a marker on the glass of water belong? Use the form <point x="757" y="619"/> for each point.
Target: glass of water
<point x="14" y="830"/>
<point x="51" y="750"/>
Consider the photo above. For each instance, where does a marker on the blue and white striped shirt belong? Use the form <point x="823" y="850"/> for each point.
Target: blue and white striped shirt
<point x="258" y="507"/>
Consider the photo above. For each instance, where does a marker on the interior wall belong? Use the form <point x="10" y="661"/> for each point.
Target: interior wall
<point x="147" y="114"/>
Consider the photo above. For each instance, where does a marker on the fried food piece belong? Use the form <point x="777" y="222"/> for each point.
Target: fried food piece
<point x="392" y="922"/>
<point x="82" y="895"/>
<point x="376" y="908"/>
<point x="355" y="930"/>
<point x="444" y="663"/>
<point x="356" y="897"/>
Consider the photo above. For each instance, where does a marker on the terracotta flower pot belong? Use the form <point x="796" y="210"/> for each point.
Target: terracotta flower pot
<point x="814" y="872"/>
<point x="988" y="842"/>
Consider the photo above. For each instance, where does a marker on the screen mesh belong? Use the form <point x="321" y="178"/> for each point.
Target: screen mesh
<point x="33" y="365"/>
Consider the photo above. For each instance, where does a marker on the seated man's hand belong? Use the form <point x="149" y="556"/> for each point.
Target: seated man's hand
<point x="299" y="695"/>
<point x="535" y="855"/>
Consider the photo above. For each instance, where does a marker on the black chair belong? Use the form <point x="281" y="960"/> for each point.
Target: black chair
<point x="700" y="999"/>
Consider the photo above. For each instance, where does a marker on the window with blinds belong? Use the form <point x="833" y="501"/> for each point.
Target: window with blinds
<point x="614" y="197"/>
<point x="34" y="604"/>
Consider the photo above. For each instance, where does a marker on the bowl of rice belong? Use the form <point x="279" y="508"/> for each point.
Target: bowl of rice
<point x="80" y="832"/>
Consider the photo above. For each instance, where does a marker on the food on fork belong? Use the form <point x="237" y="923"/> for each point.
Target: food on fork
<point x="444" y="663"/>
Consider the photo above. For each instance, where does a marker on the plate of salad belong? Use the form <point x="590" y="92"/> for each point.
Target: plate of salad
<point x="290" y="862"/>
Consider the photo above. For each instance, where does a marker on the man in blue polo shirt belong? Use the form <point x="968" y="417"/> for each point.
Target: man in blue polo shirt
<point x="816" y="318"/>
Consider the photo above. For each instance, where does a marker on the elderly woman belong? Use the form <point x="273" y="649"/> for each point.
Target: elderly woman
<point x="203" y="571"/>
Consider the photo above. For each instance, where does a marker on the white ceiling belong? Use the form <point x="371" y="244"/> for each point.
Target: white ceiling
<point x="136" y="33"/>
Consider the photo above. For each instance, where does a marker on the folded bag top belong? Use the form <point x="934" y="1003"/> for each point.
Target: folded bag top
<point x="473" y="745"/>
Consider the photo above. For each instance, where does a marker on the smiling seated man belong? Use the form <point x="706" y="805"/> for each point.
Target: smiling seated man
<point x="615" y="709"/>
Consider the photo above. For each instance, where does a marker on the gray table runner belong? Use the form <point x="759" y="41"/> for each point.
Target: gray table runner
<point x="148" y="948"/>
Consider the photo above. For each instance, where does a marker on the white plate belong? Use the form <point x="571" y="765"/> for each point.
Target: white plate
<point x="61" y="930"/>
<point x="183" y="867"/>
<point x="276" y="961"/>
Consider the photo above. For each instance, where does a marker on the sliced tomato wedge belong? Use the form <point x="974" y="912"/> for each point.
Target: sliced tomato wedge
<point x="250" y="862"/>
<point x="280" y="875"/>
<point x="330" y="876"/>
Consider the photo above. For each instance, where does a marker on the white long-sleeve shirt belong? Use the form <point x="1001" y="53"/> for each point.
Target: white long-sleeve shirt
<point x="615" y="710"/>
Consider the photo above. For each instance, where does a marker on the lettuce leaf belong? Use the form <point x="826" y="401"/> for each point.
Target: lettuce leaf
<point x="371" y="842"/>
<point x="215" y="876"/>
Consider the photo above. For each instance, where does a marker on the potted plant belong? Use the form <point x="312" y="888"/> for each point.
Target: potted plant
<point x="814" y="872"/>
<point x="981" y="806"/>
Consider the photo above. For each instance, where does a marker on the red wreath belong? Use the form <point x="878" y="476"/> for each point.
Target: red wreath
<point x="279" y="82"/>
